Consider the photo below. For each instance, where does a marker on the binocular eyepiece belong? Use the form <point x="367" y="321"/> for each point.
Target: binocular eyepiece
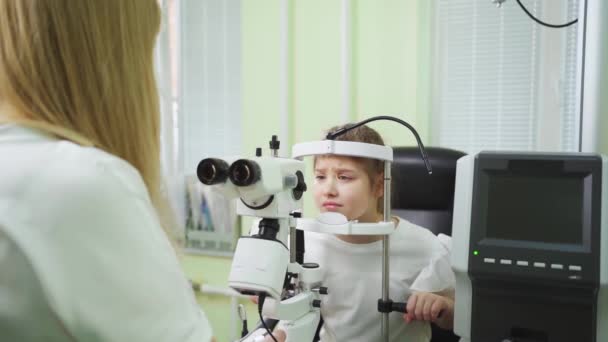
<point x="242" y="172"/>
<point x="212" y="171"/>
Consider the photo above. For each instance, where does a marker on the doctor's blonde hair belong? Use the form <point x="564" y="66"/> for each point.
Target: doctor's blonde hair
<point x="83" y="70"/>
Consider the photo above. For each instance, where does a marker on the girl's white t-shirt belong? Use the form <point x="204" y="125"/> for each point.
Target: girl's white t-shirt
<point x="83" y="256"/>
<point x="419" y="261"/>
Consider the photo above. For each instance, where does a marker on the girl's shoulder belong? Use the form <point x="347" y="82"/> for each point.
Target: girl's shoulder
<point x="409" y="229"/>
<point x="412" y="233"/>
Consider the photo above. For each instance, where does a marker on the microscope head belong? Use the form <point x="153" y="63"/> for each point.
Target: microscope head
<point x="270" y="188"/>
<point x="266" y="186"/>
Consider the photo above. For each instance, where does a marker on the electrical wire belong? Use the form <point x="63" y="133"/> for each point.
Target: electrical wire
<point x="333" y="135"/>
<point x="542" y="22"/>
<point x="261" y="299"/>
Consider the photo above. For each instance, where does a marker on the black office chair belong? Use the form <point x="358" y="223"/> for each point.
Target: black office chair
<point x="426" y="200"/>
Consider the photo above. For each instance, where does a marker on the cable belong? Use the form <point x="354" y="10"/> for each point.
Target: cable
<point x="261" y="299"/>
<point x="542" y="22"/>
<point x="425" y="158"/>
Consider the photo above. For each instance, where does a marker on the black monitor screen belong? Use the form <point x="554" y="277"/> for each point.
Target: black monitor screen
<point x="525" y="207"/>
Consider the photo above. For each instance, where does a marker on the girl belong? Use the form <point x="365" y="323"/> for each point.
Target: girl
<point x="419" y="263"/>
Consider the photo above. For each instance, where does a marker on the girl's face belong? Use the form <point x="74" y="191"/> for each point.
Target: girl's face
<point x="343" y="185"/>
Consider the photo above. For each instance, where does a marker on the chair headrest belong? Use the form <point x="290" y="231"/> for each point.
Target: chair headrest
<point x="414" y="188"/>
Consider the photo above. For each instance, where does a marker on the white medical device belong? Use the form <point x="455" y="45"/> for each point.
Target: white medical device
<point x="530" y="247"/>
<point x="265" y="263"/>
<point x="269" y="263"/>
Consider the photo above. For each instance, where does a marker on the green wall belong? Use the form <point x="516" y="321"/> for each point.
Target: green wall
<point x="214" y="271"/>
<point x="389" y="75"/>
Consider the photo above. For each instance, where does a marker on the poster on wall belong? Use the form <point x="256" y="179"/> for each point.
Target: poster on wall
<point x="212" y="225"/>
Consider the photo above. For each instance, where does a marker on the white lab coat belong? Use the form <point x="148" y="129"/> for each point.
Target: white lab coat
<point x="82" y="254"/>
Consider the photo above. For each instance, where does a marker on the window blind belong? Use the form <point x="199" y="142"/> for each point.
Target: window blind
<point x="210" y="95"/>
<point x="198" y="70"/>
<point x="488" y="77"/>
<point x="570" y="112"/>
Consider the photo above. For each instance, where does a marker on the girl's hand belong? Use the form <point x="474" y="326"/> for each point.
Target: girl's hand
<point x="429" y="307"/>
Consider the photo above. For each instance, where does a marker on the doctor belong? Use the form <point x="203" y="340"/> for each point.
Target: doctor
<point x="84" y="250"/>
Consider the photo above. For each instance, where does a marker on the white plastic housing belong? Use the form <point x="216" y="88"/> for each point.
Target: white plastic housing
<point x="289" y="309"/>
<point x="282" y="205"/>
<point x="336" y="223"/>
<point x="274" y="173"/>
<point x="343" y="148"/>
<point x="259" y="265"/>
<point x="277" y="175"/>
<point x="461" y="231"/>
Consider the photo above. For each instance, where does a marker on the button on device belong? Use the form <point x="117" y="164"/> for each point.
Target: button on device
<point x="575" y="268"/>
<point x="506" y="261"/>
<point x="522" y="263"/>
<point x="557" y="266"/>
<point x="489" y="260"/>
<point x="539" y="264"/>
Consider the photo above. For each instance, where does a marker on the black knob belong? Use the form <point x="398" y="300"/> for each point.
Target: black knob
<point x="274" y="143"/>
<point x="258" y="151"/>
<point x="323" y="290"/>
<point x="296" y="214"/>
<point x="298" y="191"/>
<point x="399" y="307"/>
<point x="316" y="303"/>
